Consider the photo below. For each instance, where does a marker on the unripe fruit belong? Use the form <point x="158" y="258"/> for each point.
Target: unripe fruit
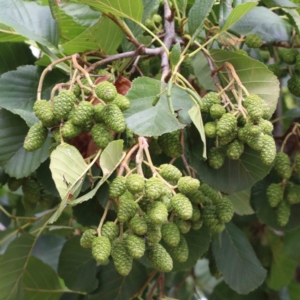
<point x="135" y="183"/>
<point x="113" y="118"/>
<point x="267" y="126"/>
<point x="31" y="191"/>
<point x="170" y="173"/>
<point x="282" y="165"/>
<point x="159" y="258"/>
<point x="127" y="209"/>
<point x="289" y="55"/>
<point x="69" y="130"/>
<point x="101" y="248"/>
<point x="196" y="214"/>
<point x="283" y="212"/>
<point x="153" y="231"/>
<point x="83" y="113"/>
<point x="170" y="234"/>
<point x="63" y="103"/>
<point x="217" y="227"/>
<point x="224" y="210"/>
<point x="210" y="129"/>
<point x="235" y="150"/>
<point x="197" y="225"/>
<point x="216" y="158"/>
<point x="268" y="150"/>
<point x="46" y="200"/>
<point x="154" y="148"/>
<point x="106" y="91"/>
<point x="208" y="101"/>
<point x="44" y="112"/>
<point x="87" y="238"/>
<point x="157" y="19"/>
<point x="217" y="111"/>
<point x="135" y="246"/>
<point x="98" y="112"/>
<point x="122" y="259"/>
<point x="274" y="194"/>
<point x="225" y="140"/>
<point x="293" y="194"/>
<point x="266" y="111"/>
<point x="253" y="104"/>
<point x="170" y="144"/>
<point x="157" y="212"/>
<point x="182" y="206"/>
<point x="154" y="188"/>
<point x="35" y="137"/>
<point x="122" y="102"/>
<point x="187" y="185"/>
<point x="294" y="85"/>
<point x="255" y="142"/>
<point x="180" y="253"/>
<point x="226" y="125"/>
<point x="197" y="197"/>
<point x="101" y="135"/>
<point x="183" y="225"/>
<point x="13" y="183"/>
<point x="138" y="225"/>
<point x="209" y="215"/>
<point x="85" y="82"/>
<point x="110" y="230"/>
<point x="117" y="187"/>
<point x="210" y="192"/>
<point x="253" y="41"/>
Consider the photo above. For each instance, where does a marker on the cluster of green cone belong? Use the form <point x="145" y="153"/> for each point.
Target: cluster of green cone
<point x="156" y="213"/>
<point x="33" y="193"/>
<point x="231" y="132"/>
<point x="285" y="193"/>
<point x="68" y="115"/>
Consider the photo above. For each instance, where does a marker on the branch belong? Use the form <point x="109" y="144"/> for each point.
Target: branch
<point x="168" y="39"/>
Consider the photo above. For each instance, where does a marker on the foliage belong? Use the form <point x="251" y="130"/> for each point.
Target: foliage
<point x="150" y="150"/>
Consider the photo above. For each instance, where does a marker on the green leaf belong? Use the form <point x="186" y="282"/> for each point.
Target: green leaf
<point x="197" y="14"/>
<point x="30" y="20"/>
<point x="294" y="18"/>
<point x="280" y="3"/>
<point x="265" y="23"/>
<point x="237" y="13"/>
<point x="40" y="281"/>
<point x="7" y="34"/>
<point x="182" y="4"/>
<point x="14" y="55"/>
<point x="294" y="290"/>
<point x="265" y="213"/>
<point x="202" y="71"/>
<point x="131" y="9"/>
<point x="77" y="266"/>
<point x="47" y="242"/>
<point x="104" y="35"/>
<point x="198" y="242"/>
<point x="196" y="117"/>
<point x="145" y="119"/>
<point x="13" y="158"/>
<point x="81" y="14"/>
<point x="237" y="261"/>
<point x="241" y="202"/>
<point x="67" y="167"/>
<point x="282" y="267"/>
<point x="258" y="81"/>
<point x="292" y="244"/>
<point x="12" y="267"/>
<point x="113" y="286"/>
<point x="18" y="90"/>
<point x="175" y="54"/>
<point x="110" y="158"/>
<point x="223" y="292"/>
